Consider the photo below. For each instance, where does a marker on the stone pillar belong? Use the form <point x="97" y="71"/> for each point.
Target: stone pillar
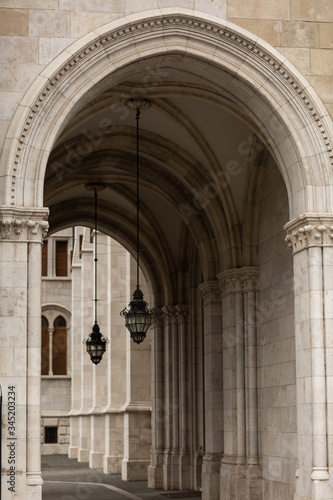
<point x="175" y="400"/>
<point x="213" y="369"/>
<point x="240" y="384"/>
<point x="311" y="238"/>
<point x="137" y="408"/>
<point x="87" y="321"/>
<point x="168" y="314"/>
<point x="184" y="389"/>
<point x="155" y="470"/>
<point x="100" y="372"/>
<point x="77" y="348"/>
<point x="21" y="232"/>
<point x="119" y="294"/>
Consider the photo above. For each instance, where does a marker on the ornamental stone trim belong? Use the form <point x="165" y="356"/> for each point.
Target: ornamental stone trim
<point x="309" y="230"/>
<point x="23" y="225"/>
<point x="239" y="280"/>
<point x="215" y="33"/>
<point x="210" y="292"/>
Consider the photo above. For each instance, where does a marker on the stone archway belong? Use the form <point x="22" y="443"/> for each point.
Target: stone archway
<point x="259" y="85"/>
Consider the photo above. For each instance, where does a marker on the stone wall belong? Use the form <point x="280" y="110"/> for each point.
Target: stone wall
<point x="276" y="345"/>
<point x="34" y="32"/>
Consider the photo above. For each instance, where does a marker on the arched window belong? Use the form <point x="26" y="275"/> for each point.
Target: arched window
<point x="45" y="347"/>
<point x="59" y="347"/>
<point x="54" y="347"/>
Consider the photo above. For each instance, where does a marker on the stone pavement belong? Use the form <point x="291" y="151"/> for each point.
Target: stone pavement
<point x="66" y="479"/>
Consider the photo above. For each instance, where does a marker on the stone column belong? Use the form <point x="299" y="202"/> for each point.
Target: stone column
<point x="184" y="389"/>
<point x="100" y="371"/>
<point x="21" y="232"/>
<point x="119" y="294"/>
<point x="77" y="348"/>
<point x="168" y="314"/>
<point x="155" y="470"/>
<point x="213" y="369"/>
<point x="240" y="383"/>
<point x="137" y="408"/>
<point x="311" y="238"/>
<point x="87" y="321"/>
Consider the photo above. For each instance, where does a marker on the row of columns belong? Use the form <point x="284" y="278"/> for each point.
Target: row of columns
<point x="111" y="406"/>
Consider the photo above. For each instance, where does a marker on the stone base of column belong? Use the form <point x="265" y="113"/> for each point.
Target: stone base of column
<point x="112" y="464"/>
<point x="134" y="470"/>
<point x="198" y="471"/>
<point x="34" y="487"/>
<point x="167" y="471"/>
<point x="240" y="481"/>
<point x="83" y="455"/>
<point x="175" y="470"/>
<point x="155" y="471"/>
<point x="307" y="488"/>
<point x="73" y="452"/>
<point x="96" y="459"/>
<point x="185" y="472"/>
<point x="211" y="477"/>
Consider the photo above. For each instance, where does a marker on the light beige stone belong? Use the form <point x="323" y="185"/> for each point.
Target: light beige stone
<point x="83" y="22"/>
<point x="259" y="9"/>
<point x="326" y="35"/>
<point x="49" y="48"/>
<point x="92" y="5"/>
<point x="19" y="49"/>
<point x="29" y="4"/>
<point x="300" y="58"/>
<point x="49" y="23"/>
<point x="321" y="62"/>
<point x="266" y="29"/>
<point x="311" y="10"/>
<point x="14" y="22"/>
<point x="323" y="84"/>
<point x="299" y="34"/>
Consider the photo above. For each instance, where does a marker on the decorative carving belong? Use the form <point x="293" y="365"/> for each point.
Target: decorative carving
<point x="309" y="230"/>
<point x="239" y="280"/>
<point x="217" y="34"/>
<point x="210" y="292"/>
<point x="19" y="226"/>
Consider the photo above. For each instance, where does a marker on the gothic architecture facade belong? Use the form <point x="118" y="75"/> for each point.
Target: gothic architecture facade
<point x="236" y="238"/>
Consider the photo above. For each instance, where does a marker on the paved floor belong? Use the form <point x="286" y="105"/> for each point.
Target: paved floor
<point x="66" y="479"/>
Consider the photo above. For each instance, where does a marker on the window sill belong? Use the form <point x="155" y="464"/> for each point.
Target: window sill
<point x="57" y="377"/>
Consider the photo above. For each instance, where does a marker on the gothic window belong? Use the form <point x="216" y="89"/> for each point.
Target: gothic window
<point x="44" y="258"/>
<point x="61" y="258"/>
<point x="45" y="347"/>
<point x="59" y="347"/>
<point x="54" y="347"/>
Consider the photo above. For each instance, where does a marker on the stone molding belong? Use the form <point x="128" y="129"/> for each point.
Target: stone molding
<point x="23" y="224"/>
<point x="210" y="292"/>
<point x="239" y="280"/>
<point x="309" y="230"/>
<point x="210" y="30"/>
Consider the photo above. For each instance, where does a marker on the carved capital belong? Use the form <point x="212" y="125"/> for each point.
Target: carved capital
<point x="309" y="230"/>
<point x="169" y="315"/>
<point x="157" y="317"/>
<point x="210" y="292"/>
<point x="22" y="224"/>
<point x="182" y="314"/>
<point x="239" y="280"/>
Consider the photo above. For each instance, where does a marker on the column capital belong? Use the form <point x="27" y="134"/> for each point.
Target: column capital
<point x="157" y="317"/>
<point x="309" y="230"/>
<point x="182" y="313"/>
<point x="238" y="280"/>
<point x="210" y="292"/>
<point x="169" y="315"/>
<point x="23" y="224"/>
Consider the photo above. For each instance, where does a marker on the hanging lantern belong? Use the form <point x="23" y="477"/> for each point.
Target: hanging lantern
<point x="95" y="343"/>
<point x="138" y="317"/>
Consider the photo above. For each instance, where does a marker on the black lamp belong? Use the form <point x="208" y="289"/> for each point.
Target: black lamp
<point x="95" y="343"/>
<point x="138" y="317"/>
